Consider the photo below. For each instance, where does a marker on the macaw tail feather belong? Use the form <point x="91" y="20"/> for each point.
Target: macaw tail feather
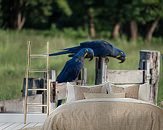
<point x="59" y="53"/>
<point x="70" y="55"/>
<point x="76" y="48"/>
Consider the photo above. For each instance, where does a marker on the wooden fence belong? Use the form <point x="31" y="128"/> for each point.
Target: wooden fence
<point x="148" y="72"/>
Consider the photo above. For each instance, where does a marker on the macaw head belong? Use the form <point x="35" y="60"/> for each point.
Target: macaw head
<point x="85" y="53"/>
<point x="89" y="53"/>
<point x="120" y="55"/>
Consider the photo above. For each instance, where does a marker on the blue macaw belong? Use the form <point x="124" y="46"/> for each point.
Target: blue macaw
<point x="101" y="48"/>
<point x="73" y="67"/>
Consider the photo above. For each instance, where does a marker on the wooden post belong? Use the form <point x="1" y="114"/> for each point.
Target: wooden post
<point x="101" y="70"/>
<point x="52" y="75"/>
<point x="82" y="78"/>
<point x="150" y="62"/>
<point x="52" y="101"/>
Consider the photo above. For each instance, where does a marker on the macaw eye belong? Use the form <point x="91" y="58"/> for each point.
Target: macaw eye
<point x="121" y="52"/>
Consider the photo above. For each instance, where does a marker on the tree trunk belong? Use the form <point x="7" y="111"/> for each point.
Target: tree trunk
<point x="16" y="18"/>
<point x="134" y="30"/>
<point x="116" y="30"/>
<point x="92" y="30"/>
<point x="151" y="30"/>
<point x="20" y="21"/>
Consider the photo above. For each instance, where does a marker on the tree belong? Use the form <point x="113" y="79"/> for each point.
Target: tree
<point x="12" y="13"/>
<point x="153" y="12"/>
<point x="84" y="15"/>
<point x="143" y="12"/>
<point x="18" y="12"/>
<point x="132" y="9"/>
<point x="112" y="11"/>
<point x="38" y="13"/>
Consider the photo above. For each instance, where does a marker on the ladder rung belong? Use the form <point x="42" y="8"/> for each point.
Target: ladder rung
<point x="36" y="104"/>
<point x="38" y="55"/>
<point x="35" y="89"/>
<point x="39" y="71"/>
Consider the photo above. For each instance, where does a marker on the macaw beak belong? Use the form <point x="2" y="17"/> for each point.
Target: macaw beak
<point x="121" y="58"/>
<point x="91" y="58"/>
<point x="89" y="55"/>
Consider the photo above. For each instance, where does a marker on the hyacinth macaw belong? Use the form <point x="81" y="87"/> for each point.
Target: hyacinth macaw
<point x="101" y="48"/>
<point x="73" y="67"/>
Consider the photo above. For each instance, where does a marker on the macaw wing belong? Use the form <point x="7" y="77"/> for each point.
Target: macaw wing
<point x="94" y="44"/>
<point x="69" y="72"/>
<point x="101" y="48"/>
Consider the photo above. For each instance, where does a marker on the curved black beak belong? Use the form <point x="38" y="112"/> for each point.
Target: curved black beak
<point x="122" y="59"/>
<point x="90" y="56"/>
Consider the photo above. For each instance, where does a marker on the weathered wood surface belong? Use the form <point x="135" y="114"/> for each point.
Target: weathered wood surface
<point x="19" y="117"/>
<point x="61" y="90"/>
<point x="17" y="126"/>
<point x="82" y="78"/>
<point x="101" y="70"/>
<point x="52" y="75"/>
<point x="150" y="61"/>
<point x="16" y="105"/>
<point x="125" y="76"/>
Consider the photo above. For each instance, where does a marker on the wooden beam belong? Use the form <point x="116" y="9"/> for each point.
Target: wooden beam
<point x="18" y="117"/>
<point x="101" y="70"/>
<point x="52" y="75"/>
<point x="125" y="76"/>
<point x="82" y="78"/>
<point x="150" y="61"/>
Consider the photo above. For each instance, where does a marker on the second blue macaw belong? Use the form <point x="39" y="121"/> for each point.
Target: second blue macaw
<point x="73" y="67"/>
<point x="101" y="48"/>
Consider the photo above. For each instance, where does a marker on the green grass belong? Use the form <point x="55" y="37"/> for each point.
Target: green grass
<point x="13" y="49"/>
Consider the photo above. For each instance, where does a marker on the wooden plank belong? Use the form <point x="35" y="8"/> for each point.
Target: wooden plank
<point x="16" y="126"/>
<point x="61" y="90"/>
<point x="52" y="75"/>
<point x="39" y="124"/>
<point x="82" y="78"/>
<point x="16" y="105"/>
<point x="10" y="117"/>
<point x="125" y="76"/>
<point x="150" y="61"/>
<point x="12" y="127"/>
<point x="20" y="126"/>
<point x="30" y="125"/>
<point x="6" y="125"/>
<point x="2" y="123"/>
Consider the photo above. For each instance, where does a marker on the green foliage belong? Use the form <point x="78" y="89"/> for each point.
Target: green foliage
<point x="151" y="1"/>
<point x="70" y="32"/>
<point x="64" y="6"/>
<point x="104" y="14"/>
<point x="38" y="13"/>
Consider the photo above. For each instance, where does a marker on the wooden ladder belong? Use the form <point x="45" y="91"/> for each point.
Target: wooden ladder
<point x="45" y="89"/>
